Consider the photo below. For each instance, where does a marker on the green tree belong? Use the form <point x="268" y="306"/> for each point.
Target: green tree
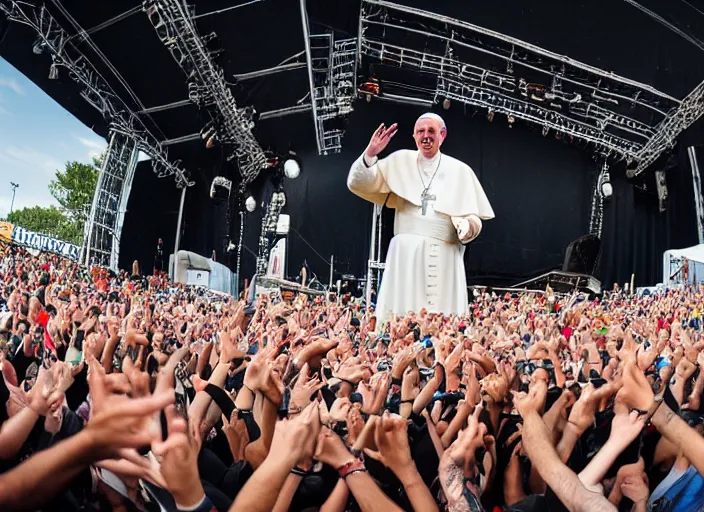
<point x="48" y="221"/>
<point x="73" y="189"/>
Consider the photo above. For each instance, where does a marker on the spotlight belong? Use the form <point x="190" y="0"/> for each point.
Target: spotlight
<point x="605" y="187"/>
<point x="511" y="119"/>
<point x="53" y="72"/>
<point x="38" y="47"/>
<point x="250" y="204"/>
<point x="292" y="169"/>
<point x="446" y="104"/>
<point x="546" y="130"/>
<point x="490" y="115"/>
<point x="631" y="167"/>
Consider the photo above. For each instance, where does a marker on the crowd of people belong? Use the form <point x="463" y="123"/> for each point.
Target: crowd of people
<point x="130" y="393"/>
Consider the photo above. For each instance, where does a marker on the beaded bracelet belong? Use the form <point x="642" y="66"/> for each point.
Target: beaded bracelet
<point x="353" y="466"/>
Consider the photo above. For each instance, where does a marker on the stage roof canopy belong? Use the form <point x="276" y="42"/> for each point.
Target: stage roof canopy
<point x="655" y="46"/>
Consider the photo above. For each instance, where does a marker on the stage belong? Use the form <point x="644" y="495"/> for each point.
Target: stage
<point x="540" y="177"/>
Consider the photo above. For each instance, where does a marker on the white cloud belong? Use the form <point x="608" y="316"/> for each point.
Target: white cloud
<point x="11" y="84"/>
<point x="31" y="158"/>
<point x="96" y="146"/>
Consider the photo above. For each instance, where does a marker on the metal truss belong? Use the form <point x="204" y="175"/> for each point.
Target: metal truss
<point x="691" y="109"/>
<point x="101" y="239"/>
<point x="268" y="234"/>
<point x="207" y="87"/>
<point x="596" y="215"/>
<point x="332" y="71"/>
<point x="375" y="265"/>
<point x="489" y="70"/>
<point x="55" y="41"/>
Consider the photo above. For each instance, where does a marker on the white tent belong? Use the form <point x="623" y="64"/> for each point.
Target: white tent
<point x="693" y="254"/>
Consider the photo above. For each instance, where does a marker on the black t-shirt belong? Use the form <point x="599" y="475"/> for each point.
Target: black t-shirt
<point x="21" y="362"/>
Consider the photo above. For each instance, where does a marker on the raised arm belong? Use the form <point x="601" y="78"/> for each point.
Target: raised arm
<point x="364" y="177"/>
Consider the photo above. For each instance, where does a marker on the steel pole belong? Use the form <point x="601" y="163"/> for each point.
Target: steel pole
<point x="12" y="203"/>
<point x="178" y="222"/>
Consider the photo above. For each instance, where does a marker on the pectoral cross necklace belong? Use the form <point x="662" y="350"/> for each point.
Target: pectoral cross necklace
<point x="426" y="196"/>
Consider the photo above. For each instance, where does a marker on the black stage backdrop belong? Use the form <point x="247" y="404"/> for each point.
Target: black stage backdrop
<point x="540" y="189"/>
<point x="636" y="234"/>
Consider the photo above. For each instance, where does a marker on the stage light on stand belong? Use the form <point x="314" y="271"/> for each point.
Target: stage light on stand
<point x="250" y="204"/>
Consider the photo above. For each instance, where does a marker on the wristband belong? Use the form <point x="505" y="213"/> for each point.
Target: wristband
<point x="353" y="466"/>
<point x="396" y="382"/>
<point x="205" y="505"/>
<point x="298" y="471"/>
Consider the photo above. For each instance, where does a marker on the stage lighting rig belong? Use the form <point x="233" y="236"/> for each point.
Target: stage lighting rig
<point x="175" y="27"/>
<point x="628" y="119"/>
<point x="332" y="78"/>
<point x="127" y="133"/>
<point x="688" y="111"/>
<point x="54" y="40"/>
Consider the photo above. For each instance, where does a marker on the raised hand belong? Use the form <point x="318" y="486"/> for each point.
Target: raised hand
<point x="533" y="401"/>
<point x="179" y="465"/>
<point x="391" y="439"/>
<point x="380" y="139"/>
<point x="296" y="439"/>
<point x="305" y="388"/>
<point x="331" y="449"/>
<point x="636" y="392"/>
<point x="120" y="421"/>
<point x="584" y="409"/>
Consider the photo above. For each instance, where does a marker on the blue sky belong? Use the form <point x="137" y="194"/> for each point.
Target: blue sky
<point x="37" y="137"/>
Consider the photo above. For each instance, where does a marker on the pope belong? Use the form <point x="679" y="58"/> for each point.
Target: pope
<point x="440" y="206"/>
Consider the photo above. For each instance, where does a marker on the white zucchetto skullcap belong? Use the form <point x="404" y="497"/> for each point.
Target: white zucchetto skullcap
<point x="435" y="117"/>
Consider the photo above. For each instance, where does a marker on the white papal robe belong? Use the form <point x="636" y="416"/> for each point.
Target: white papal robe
<point x="424" y="263"/>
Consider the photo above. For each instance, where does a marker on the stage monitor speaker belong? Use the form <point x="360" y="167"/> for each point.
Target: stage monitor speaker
<point x="582" y="254"/>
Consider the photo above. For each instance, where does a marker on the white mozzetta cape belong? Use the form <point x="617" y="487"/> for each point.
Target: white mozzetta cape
<point x="460" y="196"/>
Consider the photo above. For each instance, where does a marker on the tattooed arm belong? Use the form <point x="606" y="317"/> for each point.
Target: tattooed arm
<point x="675" y="429"/>
<point x="451" y="479"/>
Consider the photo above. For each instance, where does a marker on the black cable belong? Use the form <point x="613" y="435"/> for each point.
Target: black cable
<point x="311" y="247"/>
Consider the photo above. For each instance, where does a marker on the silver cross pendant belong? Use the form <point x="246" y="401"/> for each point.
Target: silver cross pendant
<point x="425" y="198"/>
